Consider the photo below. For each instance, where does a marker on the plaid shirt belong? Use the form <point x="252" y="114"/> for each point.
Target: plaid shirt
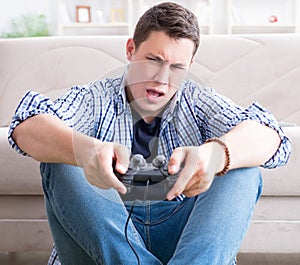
<point x="100" y="109"/>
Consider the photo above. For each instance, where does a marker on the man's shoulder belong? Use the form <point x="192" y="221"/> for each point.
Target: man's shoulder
<point x="194" y="89"/>
<point x="107" y="82"/>
<point x="105" y="86"/>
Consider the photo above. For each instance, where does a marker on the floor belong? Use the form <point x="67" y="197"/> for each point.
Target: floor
<point x="27" y="258"/>
<point x="269" y="259"/>
<point x="243" y="259"/>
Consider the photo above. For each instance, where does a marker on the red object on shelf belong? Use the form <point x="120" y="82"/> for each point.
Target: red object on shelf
<point x="273" y="19"/>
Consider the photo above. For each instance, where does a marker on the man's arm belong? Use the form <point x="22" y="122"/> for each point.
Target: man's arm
<point x="249" y="143"/>
<point x="47" y="139"/>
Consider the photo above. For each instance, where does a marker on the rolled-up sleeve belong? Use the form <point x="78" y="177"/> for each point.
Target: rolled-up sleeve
<point x="75" y="108"/>
<point x="258" y="113"/>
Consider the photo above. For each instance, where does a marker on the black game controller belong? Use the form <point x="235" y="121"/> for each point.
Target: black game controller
<point x="147" y="181"/>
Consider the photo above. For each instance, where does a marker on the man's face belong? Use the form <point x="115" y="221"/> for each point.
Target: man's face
<point x="156" y="71"/>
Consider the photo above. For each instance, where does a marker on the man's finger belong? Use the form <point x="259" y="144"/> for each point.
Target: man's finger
<point x="117" y="184"/>
<point x="122" y="156"/>
<point x="197" y="189"/>
<point x="180" y="184"/>
<point x="191" y="165"/>
<point x="105" y="165"/>
<point x="176" y="159"/>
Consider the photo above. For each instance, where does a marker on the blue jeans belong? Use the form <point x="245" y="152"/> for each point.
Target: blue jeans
<point x="88" y="223"/>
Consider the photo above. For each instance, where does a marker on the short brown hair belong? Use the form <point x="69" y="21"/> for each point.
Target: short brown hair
<point x="173" y="19"/>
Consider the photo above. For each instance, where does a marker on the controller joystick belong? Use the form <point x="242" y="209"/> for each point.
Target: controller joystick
<point x="159" y="161"/>
<point x="137" y="161"/>
<point x="143" y="178"/>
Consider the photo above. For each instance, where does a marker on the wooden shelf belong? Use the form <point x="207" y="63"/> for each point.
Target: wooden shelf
<point x="272" y="28"/>
<point x="253" y="16"/>
<point x="130" y="13"/>
<point x="96" y="25"/>
<point x="113" y="28"/>
<point x="219" y="17"/>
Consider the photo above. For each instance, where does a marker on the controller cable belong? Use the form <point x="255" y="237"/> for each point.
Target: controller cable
<point x="127" y="222"/>
<point x="127" y="239"/>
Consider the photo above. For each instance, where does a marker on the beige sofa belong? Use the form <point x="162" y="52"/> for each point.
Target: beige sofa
<point x="246" y="68"/>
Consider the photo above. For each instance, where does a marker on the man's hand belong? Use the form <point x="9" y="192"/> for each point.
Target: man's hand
<point x="98" y="158"/>
<point x="201" y="163"/>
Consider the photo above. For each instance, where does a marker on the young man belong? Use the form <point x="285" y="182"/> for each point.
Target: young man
<point x="89" y="132"/>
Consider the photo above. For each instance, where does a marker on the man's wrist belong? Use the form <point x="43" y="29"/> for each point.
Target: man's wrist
<point x="226" y="166"/>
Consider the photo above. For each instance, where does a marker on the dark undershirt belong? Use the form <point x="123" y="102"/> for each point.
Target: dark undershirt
<point x="145" y="136"/>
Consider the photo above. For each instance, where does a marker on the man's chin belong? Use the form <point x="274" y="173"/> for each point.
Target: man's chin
<point x="145" y="111"/>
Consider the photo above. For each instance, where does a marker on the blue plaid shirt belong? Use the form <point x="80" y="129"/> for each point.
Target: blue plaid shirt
<point x="100" y="109"/>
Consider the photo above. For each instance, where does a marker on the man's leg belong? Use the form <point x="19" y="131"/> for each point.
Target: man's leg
<point x="88" y="223"/>
<point x="219" y="220"/>
<point x="161" y="223"/>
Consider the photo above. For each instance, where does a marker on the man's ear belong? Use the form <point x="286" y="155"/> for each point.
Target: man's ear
<point x="130" y="47"/>
<point x="191" y="62"/>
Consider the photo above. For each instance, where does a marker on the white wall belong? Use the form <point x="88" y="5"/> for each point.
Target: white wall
<point x="249" y="13"/>
<point x="13" y="8"/>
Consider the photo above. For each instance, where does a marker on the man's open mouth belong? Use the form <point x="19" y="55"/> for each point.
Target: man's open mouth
<point x="155" y="93"/>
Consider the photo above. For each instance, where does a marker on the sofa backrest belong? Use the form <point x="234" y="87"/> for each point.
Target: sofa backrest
<point x="263" y="68"/>
<point x="247" y="68"/>
<point x="50" y="65"/>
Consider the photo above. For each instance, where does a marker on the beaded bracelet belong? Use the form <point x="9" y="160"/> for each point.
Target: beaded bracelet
<point x="227" y="155"/>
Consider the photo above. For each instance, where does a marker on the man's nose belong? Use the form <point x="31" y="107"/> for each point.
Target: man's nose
<point x="163" y="74"/>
